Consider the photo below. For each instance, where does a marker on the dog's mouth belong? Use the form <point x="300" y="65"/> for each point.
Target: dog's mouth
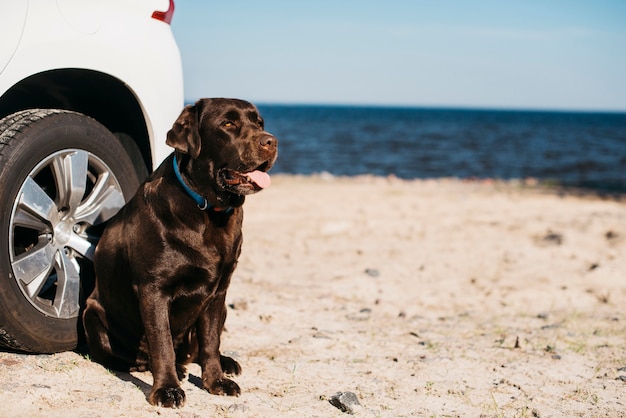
<point x="246" y="182"/>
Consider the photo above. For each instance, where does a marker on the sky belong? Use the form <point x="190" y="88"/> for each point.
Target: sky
<point x="526" y="54"/>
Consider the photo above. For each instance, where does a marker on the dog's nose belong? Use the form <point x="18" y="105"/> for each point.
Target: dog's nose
<point x="268" y="141"/>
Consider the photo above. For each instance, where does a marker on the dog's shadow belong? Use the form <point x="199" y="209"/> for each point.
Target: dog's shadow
<point x="127" y="377"/>
<point x="146" y="388"/>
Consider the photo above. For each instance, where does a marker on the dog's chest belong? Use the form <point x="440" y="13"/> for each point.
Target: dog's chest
<point x="213" y="245"/>
<point x="223" y="234"/>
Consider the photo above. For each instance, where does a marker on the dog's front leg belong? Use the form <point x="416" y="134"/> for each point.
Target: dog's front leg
<point x="155" y="312"/>
<point x="209" y="327"/>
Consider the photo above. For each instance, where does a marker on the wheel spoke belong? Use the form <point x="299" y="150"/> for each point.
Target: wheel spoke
<point x="33" y="267"/>
<point x="68" y="286"/>
<point x="83" y="246"/>
<point x="27" y="220"/>
<point x="70" y="175"/>
<point x="35" y="201"/>
<point x="103" y="202"/>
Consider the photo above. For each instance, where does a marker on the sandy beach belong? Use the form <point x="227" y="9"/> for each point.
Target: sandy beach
<point x="441" y="298"/>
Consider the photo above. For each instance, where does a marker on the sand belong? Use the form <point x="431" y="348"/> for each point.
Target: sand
<point x="423" y="298"/>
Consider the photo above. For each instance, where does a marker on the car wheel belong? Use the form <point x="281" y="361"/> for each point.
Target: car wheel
<point x="62" y="175"/>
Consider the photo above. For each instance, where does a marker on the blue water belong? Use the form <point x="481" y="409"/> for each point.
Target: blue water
<point x="570" y="148"/>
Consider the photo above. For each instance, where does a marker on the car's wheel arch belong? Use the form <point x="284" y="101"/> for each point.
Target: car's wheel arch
<point x="100" y="96"/>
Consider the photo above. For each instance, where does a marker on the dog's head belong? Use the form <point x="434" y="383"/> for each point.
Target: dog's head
<point x="224" y="146"/>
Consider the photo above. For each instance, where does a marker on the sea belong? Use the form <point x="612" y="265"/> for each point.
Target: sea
<point x="584" y="150"/>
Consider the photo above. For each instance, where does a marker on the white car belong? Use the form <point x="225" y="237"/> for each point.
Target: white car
<point x="88" y="91"/>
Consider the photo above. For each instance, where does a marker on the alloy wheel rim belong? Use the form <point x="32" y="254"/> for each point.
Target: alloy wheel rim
<point x="54" y="228"/>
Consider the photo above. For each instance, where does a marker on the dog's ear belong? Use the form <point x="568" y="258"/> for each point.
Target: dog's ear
<point x="185" y="135"/>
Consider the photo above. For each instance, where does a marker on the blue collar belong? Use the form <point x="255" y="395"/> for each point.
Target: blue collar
<point x="200" y="201"/>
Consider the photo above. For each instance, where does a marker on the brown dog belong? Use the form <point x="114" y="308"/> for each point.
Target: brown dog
<point x="164" y="262"/>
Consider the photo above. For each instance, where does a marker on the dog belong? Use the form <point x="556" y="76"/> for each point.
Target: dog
<point x="164" y="262"/>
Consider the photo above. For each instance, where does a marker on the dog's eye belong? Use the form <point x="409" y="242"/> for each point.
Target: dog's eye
<point x="228" y="124"/>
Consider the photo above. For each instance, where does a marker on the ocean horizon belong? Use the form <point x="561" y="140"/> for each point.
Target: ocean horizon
<point x="571" y="148"/>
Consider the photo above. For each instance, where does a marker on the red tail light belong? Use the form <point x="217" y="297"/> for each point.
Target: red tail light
<point x="165" y="16"/>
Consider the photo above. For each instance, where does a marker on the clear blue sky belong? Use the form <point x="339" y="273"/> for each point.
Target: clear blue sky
<point x="543" y="54"/>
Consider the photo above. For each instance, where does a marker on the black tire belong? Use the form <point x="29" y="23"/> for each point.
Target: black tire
<point x="62" y="175"/>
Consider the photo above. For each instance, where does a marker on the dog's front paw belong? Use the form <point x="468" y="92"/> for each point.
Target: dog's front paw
<point x="168" y="397"/>
<point x="223" y="386"/>
<point x="229" y="365"/>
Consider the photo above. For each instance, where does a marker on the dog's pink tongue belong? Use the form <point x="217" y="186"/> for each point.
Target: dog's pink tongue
<point x="260" y="178"/>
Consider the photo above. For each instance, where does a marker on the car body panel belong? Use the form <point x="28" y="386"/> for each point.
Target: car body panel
<point x="118" y="38"/>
